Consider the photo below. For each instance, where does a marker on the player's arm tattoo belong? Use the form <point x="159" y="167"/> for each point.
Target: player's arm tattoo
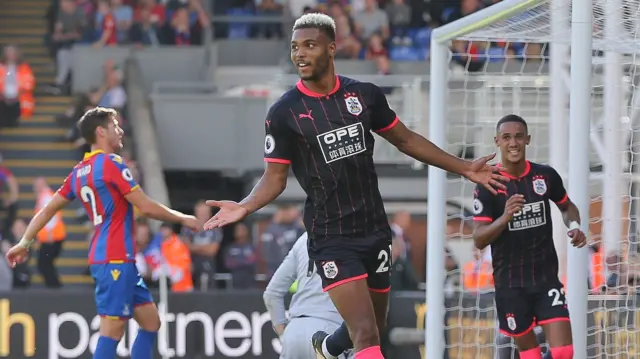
<point x="269" y="187"/>
<point x="485" y="234"/>
<point x="570" y="212"/>
<point x="423" y="150"/>
<point x="43" y="217"/>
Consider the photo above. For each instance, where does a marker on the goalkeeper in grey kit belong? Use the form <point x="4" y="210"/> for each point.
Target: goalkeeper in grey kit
<point x="310" y="311"/>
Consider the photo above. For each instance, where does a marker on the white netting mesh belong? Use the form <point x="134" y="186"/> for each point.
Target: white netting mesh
<point x="503" y="68"/>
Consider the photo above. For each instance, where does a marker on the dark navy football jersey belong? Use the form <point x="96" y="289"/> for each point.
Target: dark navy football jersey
<point x="524" y="254"/>
<point x="328" y="141"/>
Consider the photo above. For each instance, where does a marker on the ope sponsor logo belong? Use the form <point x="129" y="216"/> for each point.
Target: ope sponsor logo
<point x="342" y="142"/>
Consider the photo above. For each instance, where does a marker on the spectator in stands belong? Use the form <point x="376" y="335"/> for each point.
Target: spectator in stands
<point x="403" y="275"/>
<point x="241" y="260"/>
<point x="16" y="88"/>
<point x="106" y="25"/>
<point x="400" y="224"/>
<point x="50" y="237"/>
<point x="179" y="31"/>
<point x="280" y="236"/>
<point x="399" y="14"/>
<point x="21" y="272"/>
<point x="69" y="27"/>
<point x="123" y="15"/>
<point x="204" y="247"/>
<point x="269" y="8"/>
<point x="145" y="32"/>
<point x="371" y="21"/>
<point x="148" y="255"/>
<point x="299" y="7"/>
<point x="177" y="260"/>
<point x="477" y="275"/>
<point x="111" y="94"/>
<point x="10" y="200"/>
<point x="375" y="49"/>
<point x="347" y="45"/>
<point x="157" y="12"/>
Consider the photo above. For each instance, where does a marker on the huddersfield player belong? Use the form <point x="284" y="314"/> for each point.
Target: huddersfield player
<point x="108" y="192"/>
<point x="517" y="225"/>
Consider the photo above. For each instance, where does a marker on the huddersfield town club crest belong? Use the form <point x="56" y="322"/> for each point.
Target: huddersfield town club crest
<point x="353" y="105"/>
<point x="539" y="186"/>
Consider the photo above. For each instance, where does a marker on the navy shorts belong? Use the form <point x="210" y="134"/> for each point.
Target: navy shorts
<point x="340" y="260"/>
<point x="519" y="310"/>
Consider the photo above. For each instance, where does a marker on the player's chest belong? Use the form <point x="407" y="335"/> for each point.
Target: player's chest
<point x="535" y="211"/>
<point x="338" y="126"/>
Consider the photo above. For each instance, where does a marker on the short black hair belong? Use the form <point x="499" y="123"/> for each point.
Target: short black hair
<point x="319" y="21"/>
<point x="512" y="118"/>
<point x="92" y="119"/>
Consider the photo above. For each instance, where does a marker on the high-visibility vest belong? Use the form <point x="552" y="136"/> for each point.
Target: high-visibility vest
<point x="26" y="85"/>
<point x="178" y="258"/>
<point x="476" y="278"/>
<point x="55" y="230"/>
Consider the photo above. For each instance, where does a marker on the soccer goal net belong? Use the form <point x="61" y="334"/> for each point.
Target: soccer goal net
<point x="515" y="57"/>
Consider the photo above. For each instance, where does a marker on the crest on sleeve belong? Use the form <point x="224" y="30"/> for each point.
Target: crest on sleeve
<point x="539" y="186"/>
<point x="477" y="206"/>
<point x="116" y="158"/>
<point x="353" y="104"/>
<point x="269" y="144"/>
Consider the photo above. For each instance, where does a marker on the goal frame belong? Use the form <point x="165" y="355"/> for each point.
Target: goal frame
<point x="578" y="164"/>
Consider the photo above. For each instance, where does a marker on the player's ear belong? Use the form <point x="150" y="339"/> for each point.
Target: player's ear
<point x="332" y="49"/>
<point x="495" y="140"/>
<point x="528" y="140"/>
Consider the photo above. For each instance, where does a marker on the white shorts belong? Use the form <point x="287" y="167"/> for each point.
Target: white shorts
<point x="296" y="339"/>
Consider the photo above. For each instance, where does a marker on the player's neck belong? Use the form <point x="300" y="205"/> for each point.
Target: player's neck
<point x="516" y="169"/>
<point x="101" y="148"/>
<point x="323" y="86"/>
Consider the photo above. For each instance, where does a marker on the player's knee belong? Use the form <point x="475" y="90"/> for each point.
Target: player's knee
<point x="564" y="352"/>
<point x="151" y="324"/>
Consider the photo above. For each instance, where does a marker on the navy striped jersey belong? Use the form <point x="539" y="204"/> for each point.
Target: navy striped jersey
<point x="328" y="141"/>
<point x="524" y="254"/>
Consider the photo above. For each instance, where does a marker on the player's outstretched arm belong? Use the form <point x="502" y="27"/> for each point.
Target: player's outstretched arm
<point x="18" y="253"/>
<point x="269" y="187"/>
<point x="423" y="150"/>
<point x="152" y="209"/>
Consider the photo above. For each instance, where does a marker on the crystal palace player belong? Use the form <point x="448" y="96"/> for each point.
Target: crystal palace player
<point x="108" y="192"/>
<point x="322" y="128"/>
<point x="517" y="225"/>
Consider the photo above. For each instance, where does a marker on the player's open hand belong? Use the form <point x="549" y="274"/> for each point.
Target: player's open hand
<point x="230" y="212"/>
<point x="17" y="255"/>
<point x="514" y="205"/>
<point x="578" y="238"/>
<point x="190" y="222"/>
<point x="485" y="174"/>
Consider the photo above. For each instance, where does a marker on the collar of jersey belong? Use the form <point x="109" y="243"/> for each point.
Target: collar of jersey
<point x="527" y="169"/>
<point x="310" y="93"/>
<point x="91" y="154"/>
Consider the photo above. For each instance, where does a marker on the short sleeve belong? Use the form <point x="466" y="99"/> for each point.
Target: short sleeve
<point x="557" y="192"/>
<point x="278" y="138"/>
<point x="482" y="205"/>
<point x="66" y="190"/>
<point x="383" y="118"/>
<point x="118" y="174"/>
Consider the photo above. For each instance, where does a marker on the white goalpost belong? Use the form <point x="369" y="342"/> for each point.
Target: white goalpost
<point x="569" y="68"/>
